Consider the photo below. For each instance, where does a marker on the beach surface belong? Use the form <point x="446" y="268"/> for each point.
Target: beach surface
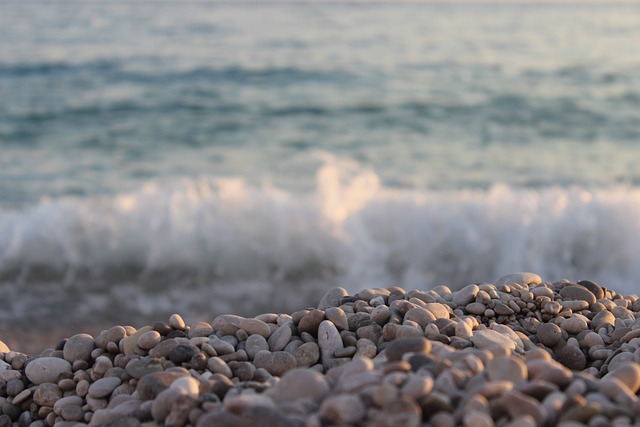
<point x="516" y="352"/>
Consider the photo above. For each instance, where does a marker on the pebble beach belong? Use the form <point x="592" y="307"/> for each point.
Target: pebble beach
<point x="516" y="352"/>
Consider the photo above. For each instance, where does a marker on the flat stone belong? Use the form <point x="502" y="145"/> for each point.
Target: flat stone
<point x="228" y="324"/>
<point x="580" y="293"/>
<point x="440" y="311"/>
<point x="300" y="384"/>
<point x="47" y="369"/>
<point x="465" y="295"/>
<point x="628" y="374"/>
<point x="200" y="329"/>
<point x="476" y="308"/>
<point x="186" y="385"/>
<point x="593" y="287"/>
<point x="255" y="326"/>
<point x="574" y="324"/>
<point x="78" y="347"/>
<point x="503" y="309"/>
<point x="487" y="338"/>
<point x="399" y="347"/>
<point x="280" y="338"/>
<point x="62" y="403"/>
<point x="104" y="387"/>
<point x="509" y="369"/>
<point x="521" y="278"/>
<point x="620" y="360"/>
<point x="332" y="298"/>
<point x="421" y="316"/>
<point x="276" y="363"/>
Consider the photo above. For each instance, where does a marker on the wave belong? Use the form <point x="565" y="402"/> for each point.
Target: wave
<point x="351" y="231"/>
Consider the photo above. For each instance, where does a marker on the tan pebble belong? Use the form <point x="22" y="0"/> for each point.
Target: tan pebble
<point x="148" y="340"/>
<point x="484" y="339"/>
<point x="628" y="374"/>
<point x="575" y="292"/>
<point x="177" y="322"/>
<point x="398" y="348"/>
<point x="338" y="317"/>
<point x="575" y="324"/>
<point x="255" y="326"/>
<point x="617" y="391"/>
<point x="465" y="295"/>
<point x="228" y="324"/>
<point x="552" y="307"/>
<point x="443" y="419"/>
<point x="592" y="339"/>
<point x="60" y="404"/>
<point x="130" y="343"/>
<point x="507" y="368"/>
<point x="406" y="331"/>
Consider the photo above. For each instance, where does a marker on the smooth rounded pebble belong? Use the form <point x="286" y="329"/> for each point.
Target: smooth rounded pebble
<point x="104" y="387"/>
<point x="47" y="369"/>
<point x="300" y="384"/>
<point x="524" y="278"/>
<point x="78" y="347"/>
<point x="400" y="347"/>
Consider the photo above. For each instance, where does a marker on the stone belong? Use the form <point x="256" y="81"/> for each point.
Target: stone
<point x="186" y="385"/>
<point x="3" y="347"/>
<point x="183" y="353"/>
<point x="380" y="315"/>
<point x="549" y="334"/>
<point x="138" y="368"/>
<point x="149" y="340"/>
<point x="593" y="287"/>
<point x="47" y="394"/>
<point x="104" y="387"/>
<point x="62" y="403"/>
<point x="440" y="311"/>
<point x="420" y="315"/>
<point x="520" y="278"/>
<point x="201" y="329"/>
<point x="176" y="322"/>
<point x="579" y="293"/>
<point x="219" y="366"/>
<point x="255" y="326"/>
<point x="573" y="358"/>
<point x="592" y="339"/>
<point x="78" y="347"/>
<point x="276" y="363"/>
<point x="163" y="349"/>
<point x="130" y="343"/>
<point x="228" y="324"/>
<point x="338" y="317"/>
<point x="574" y="324"/>
<point x="603" y="318"/>
<point x="400" y="347"/>
<point x="487" y="339"/>
<point x="476" y="308"/>
<point x="151" y="385"/>
<point x="329" y="340"/>
<point x="518" y="404"/>
<point x="343" y="409"/>
<point x="254" y="344"/>
<point x="332" y="298"/>
<point x="47" y="369"/>
<point x="628" y="374"/>
<point x="280" y="338"/>
<point x="620" y="360"/>
<point x="300" y="384"/>
<point x="311" y="321"/>
<point x="509" y="369"/>
<point x="465" y="295"/>
<point x="307" y="355"/>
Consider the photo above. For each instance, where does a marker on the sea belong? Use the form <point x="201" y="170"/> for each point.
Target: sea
<point x="208" y="157"/>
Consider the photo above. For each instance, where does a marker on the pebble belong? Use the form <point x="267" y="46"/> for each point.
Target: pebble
<point x="329" y="341"/>
<point x="579" y="293"/>
<point x="300" y="384"/>
<point x="466" y="295"/>
<point x="78" y="347"/>
<point x="517" y="353"/>
<point x="47" y="369"/>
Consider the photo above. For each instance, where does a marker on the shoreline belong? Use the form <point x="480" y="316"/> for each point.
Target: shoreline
<point x="519" y="352"/>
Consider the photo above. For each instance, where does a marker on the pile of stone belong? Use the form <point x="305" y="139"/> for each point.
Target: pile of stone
<point x="520" y="352"/>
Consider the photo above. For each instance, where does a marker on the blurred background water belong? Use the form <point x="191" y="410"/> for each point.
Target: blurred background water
<point x="208" y="156"/>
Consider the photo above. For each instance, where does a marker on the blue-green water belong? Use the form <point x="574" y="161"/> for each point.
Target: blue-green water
<point x="344" y="143"/>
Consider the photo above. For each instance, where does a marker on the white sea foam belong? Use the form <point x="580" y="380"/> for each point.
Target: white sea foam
<point x="350" y="230"/>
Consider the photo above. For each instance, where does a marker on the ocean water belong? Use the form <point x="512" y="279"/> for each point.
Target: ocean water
<point x="207" y="157"/>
